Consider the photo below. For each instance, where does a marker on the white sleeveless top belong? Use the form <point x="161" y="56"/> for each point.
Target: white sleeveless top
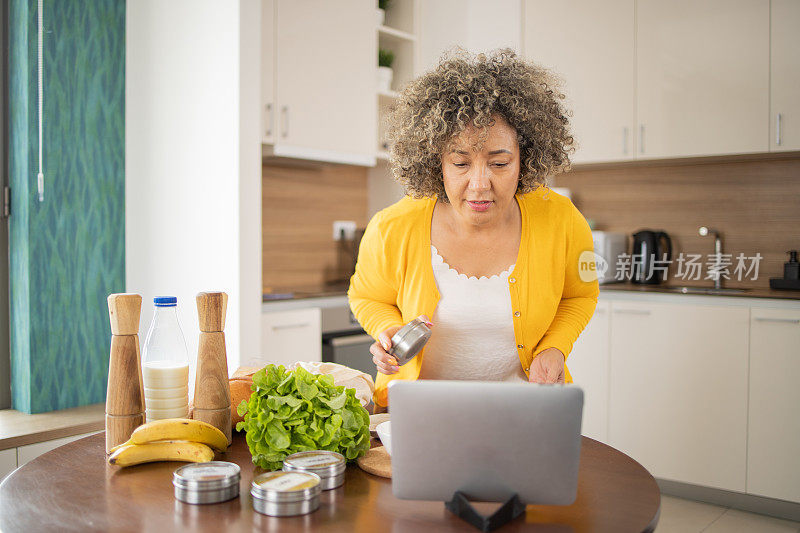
<point x="473" y="328"/>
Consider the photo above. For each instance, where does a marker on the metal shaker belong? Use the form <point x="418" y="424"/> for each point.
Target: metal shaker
<point x="409" y="341"/>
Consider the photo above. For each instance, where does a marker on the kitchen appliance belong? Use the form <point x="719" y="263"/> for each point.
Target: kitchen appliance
<point x="343" y="339"/>
<point x="651" y="252"/>
<point x="608" y="248"/>
<point x="791" y="274"/>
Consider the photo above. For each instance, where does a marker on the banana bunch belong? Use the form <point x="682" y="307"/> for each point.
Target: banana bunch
<point x="172" y="439"/>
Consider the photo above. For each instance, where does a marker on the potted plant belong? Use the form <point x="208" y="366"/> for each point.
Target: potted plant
<point x="383" y="5"/>
<point x="385" y="60"/>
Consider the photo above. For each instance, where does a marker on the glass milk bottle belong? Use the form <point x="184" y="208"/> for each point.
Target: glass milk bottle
<point x="165" y="364"/>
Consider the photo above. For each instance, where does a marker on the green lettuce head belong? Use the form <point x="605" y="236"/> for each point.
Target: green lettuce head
<point x="296" y="411"/>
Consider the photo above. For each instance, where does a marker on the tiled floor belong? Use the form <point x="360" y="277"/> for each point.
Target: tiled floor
<point x="687" y="516"/>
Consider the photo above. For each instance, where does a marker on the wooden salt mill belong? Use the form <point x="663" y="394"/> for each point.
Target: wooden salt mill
<point x="212" y="393"/>
<point x="125" y="393"/>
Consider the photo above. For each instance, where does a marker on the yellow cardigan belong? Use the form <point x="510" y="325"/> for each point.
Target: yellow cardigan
<point x="394" y="283"/>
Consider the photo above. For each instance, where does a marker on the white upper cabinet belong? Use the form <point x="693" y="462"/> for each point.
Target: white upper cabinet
<point x="785" y="76"/>
<point x="324" y="80"/>
<point x="773" y="466"/>
<point x="591" y="45"/>
<point x="267" y="71"/>
<point x="702" y="77"/>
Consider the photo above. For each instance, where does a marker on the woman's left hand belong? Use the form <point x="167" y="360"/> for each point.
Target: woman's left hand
<point x="547" y="367"/>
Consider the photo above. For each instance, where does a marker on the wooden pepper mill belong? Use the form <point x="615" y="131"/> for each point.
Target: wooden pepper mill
<point x="212" y="394"/>
<point x="125" y="393"/>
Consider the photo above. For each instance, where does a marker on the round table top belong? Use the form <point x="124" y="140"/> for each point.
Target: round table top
<point x="74" y="488"/>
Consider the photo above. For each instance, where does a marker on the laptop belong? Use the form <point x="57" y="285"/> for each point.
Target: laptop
<point x="489" y="440"/>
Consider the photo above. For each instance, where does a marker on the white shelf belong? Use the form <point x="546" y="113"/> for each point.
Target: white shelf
<point x="382" y="155"/>
<point x="392" y="34"/>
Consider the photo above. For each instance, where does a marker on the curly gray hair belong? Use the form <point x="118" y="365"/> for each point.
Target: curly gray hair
<point x="466" y="89"/>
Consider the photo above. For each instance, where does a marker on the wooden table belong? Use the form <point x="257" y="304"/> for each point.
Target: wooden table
<point x="73" y="488"/>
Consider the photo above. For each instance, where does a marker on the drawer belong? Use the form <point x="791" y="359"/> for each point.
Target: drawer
<point x="32" y="451"/>
<point x="290" y="336"/>
<point x="8" y="462"/>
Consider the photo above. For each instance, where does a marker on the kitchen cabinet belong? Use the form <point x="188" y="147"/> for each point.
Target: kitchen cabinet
<point x="32" y="451"/>
<point x="773" y="466"/>
<point x="11" y="458"/>
<point x="678" y="390"/>
<point x="8" y="462"/>
<point x="267" y="71"/>
<point x="784" y="126"/>
<point x="588" y="363"/>
<point x="702" y="77"/>
<point x="319" y="62"/>
<point x="591" y="45"/>
<point x="291" y="335"/>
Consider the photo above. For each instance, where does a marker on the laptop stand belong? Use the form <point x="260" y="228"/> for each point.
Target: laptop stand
<point x="510" y="510"/>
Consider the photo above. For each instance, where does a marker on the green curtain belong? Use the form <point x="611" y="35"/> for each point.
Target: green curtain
<point x="67" y="253"/>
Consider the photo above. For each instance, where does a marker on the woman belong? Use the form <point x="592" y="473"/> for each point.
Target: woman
<point x="479" y="244"/>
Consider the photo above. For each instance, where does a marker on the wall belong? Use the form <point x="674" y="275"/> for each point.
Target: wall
<point x="193" y="162"/>
<point x="300" y="203"/>
<point x="752" y="200"/>
<point x="67" y="252"/>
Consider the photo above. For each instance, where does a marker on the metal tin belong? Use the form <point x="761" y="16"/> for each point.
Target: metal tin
<point x="212" y="482"/>
<point x="286" y="493"/>
<point x="329" y="466"/>
<point x="409" y="341"/>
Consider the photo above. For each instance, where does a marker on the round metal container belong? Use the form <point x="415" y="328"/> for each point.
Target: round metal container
<point x="213" y="482"/>
<point x="409" y="341"/>
<point x="329" y="466"/>
<point x="286" y="493"/>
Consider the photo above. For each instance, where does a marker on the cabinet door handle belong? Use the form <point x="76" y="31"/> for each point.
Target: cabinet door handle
<point x="351" y="340"/>
<point x="268" y="109"/>
<point x="625" y="140"/>
<point x="771" y="319"/>
<point x="291" y="326"/>
<point x="285" y="112"/>
<point x="632" y="311"/>
<point x="778" y="129"/>
<point x="641" y="138"/>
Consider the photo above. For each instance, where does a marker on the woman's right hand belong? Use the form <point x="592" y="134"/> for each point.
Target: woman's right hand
<point x="384" y="361"/>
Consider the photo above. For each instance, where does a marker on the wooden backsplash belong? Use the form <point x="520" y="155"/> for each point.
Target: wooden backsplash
<point x="754" y="202"/>
<point x="299" y="205"/>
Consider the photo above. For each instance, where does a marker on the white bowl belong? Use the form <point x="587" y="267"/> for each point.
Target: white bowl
<point x="384" y="430"/>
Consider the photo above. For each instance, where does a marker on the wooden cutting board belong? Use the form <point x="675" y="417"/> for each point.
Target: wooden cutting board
<point x="377" y="462"/>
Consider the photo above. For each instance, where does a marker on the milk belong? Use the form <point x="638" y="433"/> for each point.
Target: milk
<point x="166" y="389"/>
<point x="165" y="364"/>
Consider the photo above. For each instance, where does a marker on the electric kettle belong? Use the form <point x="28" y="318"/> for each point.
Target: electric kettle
<point x="650" y="257"/>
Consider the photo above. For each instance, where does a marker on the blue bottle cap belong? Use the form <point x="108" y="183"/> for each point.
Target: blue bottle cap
<point x="165" y="301"/>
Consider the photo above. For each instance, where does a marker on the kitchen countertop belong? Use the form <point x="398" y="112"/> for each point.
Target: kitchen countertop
<point x="20" y="429"/>
<point x="311" y="291"/>
<point x="757" y="292"/>
<point x="340" y="289"/>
